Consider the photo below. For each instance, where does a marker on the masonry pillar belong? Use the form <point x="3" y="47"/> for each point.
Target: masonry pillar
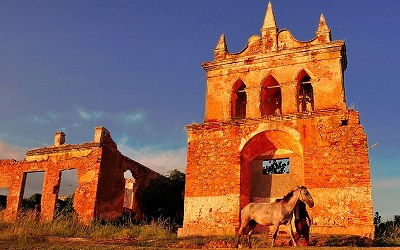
<point x="289" y="98"/>
<point x="253" y="103"/>
<point x="14" y="198"/>
<point x="51" y="188"/>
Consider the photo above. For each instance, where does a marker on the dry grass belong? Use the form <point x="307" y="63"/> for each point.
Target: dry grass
<point x="66" y="232"/>
<point x="26" y="228"/>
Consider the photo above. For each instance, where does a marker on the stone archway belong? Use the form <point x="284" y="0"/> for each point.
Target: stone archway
<point x="267" y="145"/>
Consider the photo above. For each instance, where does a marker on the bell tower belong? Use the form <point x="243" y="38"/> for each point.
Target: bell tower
<point x="276" y="118"/>
<point x="276" y="75"/>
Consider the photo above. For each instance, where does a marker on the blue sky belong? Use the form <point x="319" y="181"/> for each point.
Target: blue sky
<point x="134" y="68"/>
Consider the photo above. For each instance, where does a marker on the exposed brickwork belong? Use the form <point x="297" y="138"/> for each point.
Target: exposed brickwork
<point x="100" y="170"/>
<point x="309" y="125"/>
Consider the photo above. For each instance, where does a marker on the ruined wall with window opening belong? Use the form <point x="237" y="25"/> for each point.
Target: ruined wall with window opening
<point x="278" y="98"/>
<point x="101" y="184"/>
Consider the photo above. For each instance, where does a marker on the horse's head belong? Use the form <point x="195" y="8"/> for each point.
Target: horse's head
<point x="306" y="197"/>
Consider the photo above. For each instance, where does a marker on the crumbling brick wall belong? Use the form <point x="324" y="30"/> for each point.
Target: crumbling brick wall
<point x="100" y="170"/>
<point x="337" y="169"/>
<point x="333" y="166"/>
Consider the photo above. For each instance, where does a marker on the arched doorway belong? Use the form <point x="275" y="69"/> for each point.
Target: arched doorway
<point x="266" y="150"/>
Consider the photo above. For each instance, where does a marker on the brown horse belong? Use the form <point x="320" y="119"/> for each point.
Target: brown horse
<point x="275" y="214"/>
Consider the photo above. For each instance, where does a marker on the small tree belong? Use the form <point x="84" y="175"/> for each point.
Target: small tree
<point x="276" y="167"/>
<point x="32" y="202"/>
<point x="66" y="206"/>
<point x="377" y="219"/>
<point x="164" y="197"/>
<point x="387" y="233"/>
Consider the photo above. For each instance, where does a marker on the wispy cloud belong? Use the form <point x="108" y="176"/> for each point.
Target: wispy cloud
<point x="8" y="151"/>
<point x="134" y="118"/>
<point x="89" y="115"/>
<point x="41" y="119"/>
<point x="161" y="161"/>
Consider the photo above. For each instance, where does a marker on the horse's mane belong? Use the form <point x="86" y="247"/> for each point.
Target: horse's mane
<point x="285" y="198"/>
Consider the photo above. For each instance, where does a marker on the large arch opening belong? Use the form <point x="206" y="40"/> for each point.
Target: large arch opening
<point x="277" y="150"/>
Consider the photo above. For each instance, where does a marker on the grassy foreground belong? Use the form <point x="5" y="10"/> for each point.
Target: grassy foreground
<point x="67" y="233"/>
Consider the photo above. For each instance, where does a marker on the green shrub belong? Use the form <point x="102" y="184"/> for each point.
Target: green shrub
<point x="164" y="197"/>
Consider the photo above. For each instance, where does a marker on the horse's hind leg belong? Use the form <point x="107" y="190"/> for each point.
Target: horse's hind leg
<point x="252" y="225"/>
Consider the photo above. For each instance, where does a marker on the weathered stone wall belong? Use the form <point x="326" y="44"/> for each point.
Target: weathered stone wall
<point x="333" y="164"/>
<point x="212" y="179"/>
<point x="337" y="168"/>
<point x="52" y="166"/>
<point x="110" y="201"/>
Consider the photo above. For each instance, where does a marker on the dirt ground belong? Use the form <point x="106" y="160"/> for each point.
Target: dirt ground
<point x="258" y="242"/>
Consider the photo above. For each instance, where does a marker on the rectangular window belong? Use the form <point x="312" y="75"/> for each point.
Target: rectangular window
<point x="276" y="166"/>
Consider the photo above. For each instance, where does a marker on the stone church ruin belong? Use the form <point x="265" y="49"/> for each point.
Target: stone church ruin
<point x="102" y="192"/>
<point x="278" y="101"/>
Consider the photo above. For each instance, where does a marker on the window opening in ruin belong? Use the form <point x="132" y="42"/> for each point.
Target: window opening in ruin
<point x="306" y="94"/>
<point x="3" y="198"/>
<point x="276" y="166"/>
<point x="33" y="183"/>
<point x="32" y="195"/>
<point x="129" y="197"/>
<point x="271" y="98"/>
<point x="68" y="185"/>
<point x="239" y="100"/>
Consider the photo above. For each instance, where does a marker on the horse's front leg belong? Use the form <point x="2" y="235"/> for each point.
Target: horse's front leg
<point x="275" y="231"/>
<point x="289" y="226"/>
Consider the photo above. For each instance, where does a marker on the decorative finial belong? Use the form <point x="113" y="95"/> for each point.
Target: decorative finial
<point x="269" y="20"/>
<point x="221" y="45"/>
<point x="269" y="31"/>
<point x="323" y="31"/>
<point x="221" y="49"/>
